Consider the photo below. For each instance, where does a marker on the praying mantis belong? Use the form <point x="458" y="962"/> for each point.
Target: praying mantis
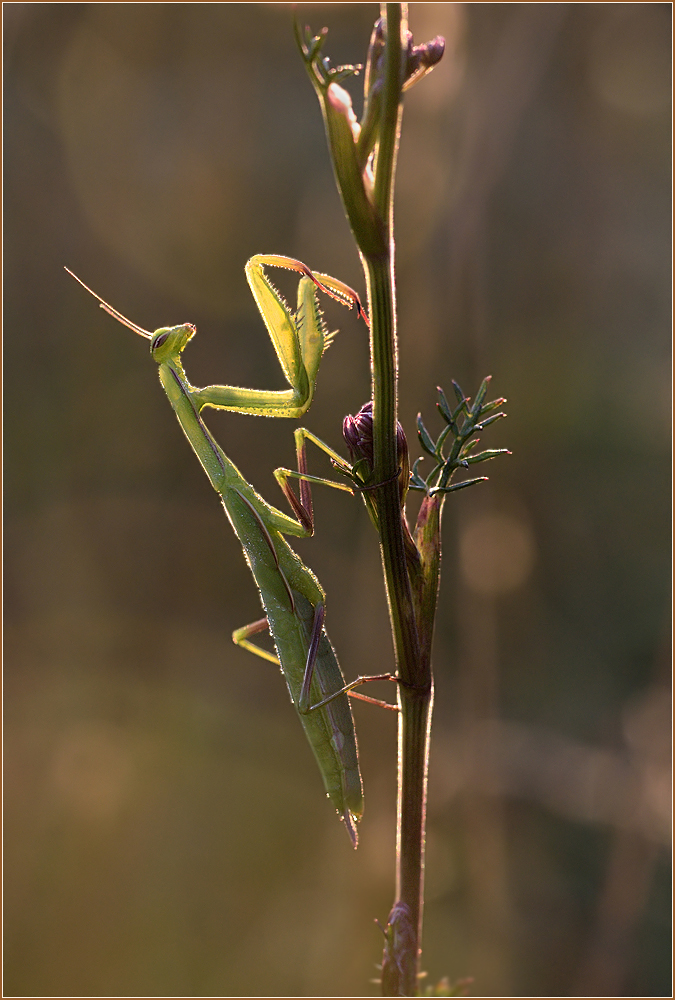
<point x="292" y="597"/>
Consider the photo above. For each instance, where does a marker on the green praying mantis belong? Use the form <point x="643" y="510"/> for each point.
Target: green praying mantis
<point x="292" y="597"/>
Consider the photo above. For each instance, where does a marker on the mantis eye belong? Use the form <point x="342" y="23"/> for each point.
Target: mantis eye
<point x="159" y="341"/>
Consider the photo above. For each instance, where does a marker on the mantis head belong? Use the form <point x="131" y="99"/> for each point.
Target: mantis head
<point x="165" y="343"/>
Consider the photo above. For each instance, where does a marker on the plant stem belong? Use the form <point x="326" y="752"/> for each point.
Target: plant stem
<point x="396" y="20"/>
<point x="391" y="60"/>
<point x="415" y="689"/>
<point x="385" y="463"/>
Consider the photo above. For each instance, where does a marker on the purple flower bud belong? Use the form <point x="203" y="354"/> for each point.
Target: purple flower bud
<point x="422" y="59"/>
<point x="358" y="434"/>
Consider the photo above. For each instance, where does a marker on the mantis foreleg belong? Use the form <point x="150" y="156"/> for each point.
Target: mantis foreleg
<point x="299" y="340"/>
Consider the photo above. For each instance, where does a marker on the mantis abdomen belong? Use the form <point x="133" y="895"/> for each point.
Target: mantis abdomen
<point x="290" y="594"/>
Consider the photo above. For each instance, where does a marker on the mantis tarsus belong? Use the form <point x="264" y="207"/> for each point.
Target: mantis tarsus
<point x="292" y="597"/>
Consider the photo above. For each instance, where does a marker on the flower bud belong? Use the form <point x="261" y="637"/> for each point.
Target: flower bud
<point x="358" y="434"/>
<point x="422" y="59"/>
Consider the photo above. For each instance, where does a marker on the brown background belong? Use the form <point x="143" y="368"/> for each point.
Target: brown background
<point x="166" y="832"/>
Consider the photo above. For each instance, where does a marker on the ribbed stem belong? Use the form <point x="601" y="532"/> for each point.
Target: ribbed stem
<point x="413" y="665"/>
<point x="415" y="690"/>
<point x="381" y="295"/>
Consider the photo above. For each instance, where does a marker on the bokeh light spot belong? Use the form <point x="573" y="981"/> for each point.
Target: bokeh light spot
<point x="497" y="553"/>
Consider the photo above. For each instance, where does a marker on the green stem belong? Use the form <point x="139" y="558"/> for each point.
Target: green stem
<point x="414" y="732"/>
<point x="416" y="690"/>
<point x="381" y="295"/>
<point x="396" y="20"/>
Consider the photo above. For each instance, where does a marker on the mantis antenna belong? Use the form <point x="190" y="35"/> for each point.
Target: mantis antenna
<point x="113" y="312"/>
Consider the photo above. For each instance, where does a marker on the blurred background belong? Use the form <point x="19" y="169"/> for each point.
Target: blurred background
<point x="166" y="830"/>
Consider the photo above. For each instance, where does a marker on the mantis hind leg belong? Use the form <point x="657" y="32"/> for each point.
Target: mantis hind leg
<point x="240" y="637"/>
<point x="304" y="700"/>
